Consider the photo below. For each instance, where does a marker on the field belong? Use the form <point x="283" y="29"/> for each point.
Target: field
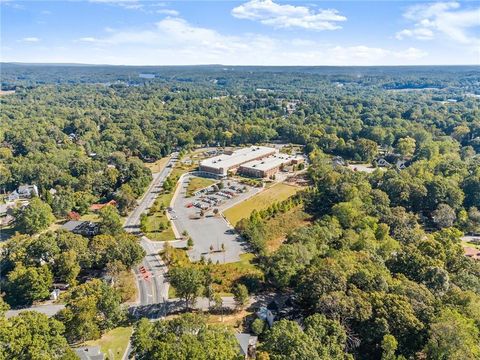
<point x="113" y="343"/>
<point x="278" y="227"/>
<point x="263" y="200"/>
<point x="158" y="165"/>
<point x="198" y="183"/>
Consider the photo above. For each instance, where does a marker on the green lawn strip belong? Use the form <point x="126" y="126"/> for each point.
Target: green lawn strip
<point x="165" y="235"/>
<point x="263" y="200"/>
<point x="198" y="183"/>
<point x="113" y="342"/>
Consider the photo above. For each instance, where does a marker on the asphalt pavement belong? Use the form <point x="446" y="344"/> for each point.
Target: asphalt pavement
<point x="153" y="289"/>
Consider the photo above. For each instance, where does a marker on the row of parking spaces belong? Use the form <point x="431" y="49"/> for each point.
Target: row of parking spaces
<point x="214" y="196"/>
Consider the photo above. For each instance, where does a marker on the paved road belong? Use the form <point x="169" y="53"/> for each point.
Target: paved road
<point x="47" y="309"/>
<point x="155" y="289"/>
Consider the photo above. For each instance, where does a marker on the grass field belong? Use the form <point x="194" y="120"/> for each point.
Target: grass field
<point x="198" y="183"/>
<point x="113" y="342"/>
<point x="154" y="220"/>
<point x="263" y="200"/>
<point x="158" y="165"/>
<point x="278" y="227"/>
<point x="471" y="244"/>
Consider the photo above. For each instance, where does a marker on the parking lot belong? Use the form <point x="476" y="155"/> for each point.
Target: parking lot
<point x="213" y="237"/>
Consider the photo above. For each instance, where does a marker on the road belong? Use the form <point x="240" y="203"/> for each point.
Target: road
<point x="154" y="289"/>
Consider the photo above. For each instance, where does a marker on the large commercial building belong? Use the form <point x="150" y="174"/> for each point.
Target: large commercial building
<point x="268" y="166"/>
<point x="220" y="165"/>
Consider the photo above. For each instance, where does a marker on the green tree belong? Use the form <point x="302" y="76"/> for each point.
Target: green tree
<point x="188" y="282"/>
<point x="240" y="295"/>
<point x="453" y="336"/>
<point x="33" y="336"/>
<point x="28" y="284"/>
<point x="110" y="222"/>
<point x="90" y="309"/>
<point x="406" y="146"/>
<point x="37" y="216"/>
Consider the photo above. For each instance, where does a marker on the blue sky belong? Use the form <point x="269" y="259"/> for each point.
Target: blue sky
<point x="251" y="32"/>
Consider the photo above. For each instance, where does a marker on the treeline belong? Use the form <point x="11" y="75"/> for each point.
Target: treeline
<point x="252" y="229"/>
<point x="393" y="290"/>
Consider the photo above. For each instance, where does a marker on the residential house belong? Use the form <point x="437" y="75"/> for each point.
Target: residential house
<point x="98" y="207"/>
<point x="85" y="228"/>
<point x="89" y="353"/>
<point x="248" y="344"/>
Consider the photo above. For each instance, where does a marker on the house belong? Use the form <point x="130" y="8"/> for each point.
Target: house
<point x="338" y="161"/>
<point x="27" y="191"/>
<point x="89" y="353"/>
<point x="23" y="192"/>
<point x="266" y="315"/>
<point x="401" y="164"/>
<point x="248" y="344"/>
<point x="73" y="215"/>
<point x="97" y="207"/>
<point x="54" y="295"/>
<point x="85" y="228"/>
<point x="382" y="163"/>
<point x="472" y="252"/>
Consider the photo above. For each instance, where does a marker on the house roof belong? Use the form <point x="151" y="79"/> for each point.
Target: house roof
<point x="472" y="252"/>
<point x="245" y="340"/>
<point x="95" y="207"/>
<point x="89" y="353"/>
<point x="72" y="225"/>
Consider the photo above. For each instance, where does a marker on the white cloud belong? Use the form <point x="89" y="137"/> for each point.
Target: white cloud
<point x="168" y="12"/>
<point x="288" y="16"/>
<point x="88" y="39"/>
<point x="442" y="18"/>
<point x="31" y="39"/>
<point x="175" y="41"/>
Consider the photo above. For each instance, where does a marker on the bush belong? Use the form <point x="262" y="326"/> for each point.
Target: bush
<point x="257" y="326"/>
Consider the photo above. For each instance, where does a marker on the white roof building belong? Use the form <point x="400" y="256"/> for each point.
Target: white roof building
<point x="221" y="164"/>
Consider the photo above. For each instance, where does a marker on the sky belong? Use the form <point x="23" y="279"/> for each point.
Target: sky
<point x="249" y="32"/>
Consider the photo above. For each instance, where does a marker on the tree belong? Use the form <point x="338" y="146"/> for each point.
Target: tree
<point x="444" y="216"/>
<point x="32" y="335"/>
<point x="389" y="346"/>
<point x="187" y="282"/>
<point x="406" y="146"/>
<point x="185" y="337"/>
<point x="190" y="242"/>
<point x="28" y="284"/>
<point x="110" y="222"/>
<point x="286" y="341"/>
<point x="240" y="295"/>
<point x="257" y="326"/>
<point x="37" y="216"/>
<point x="452" y="336"/>
<point x="67" y="267"/>
<point x="90" y="309"/>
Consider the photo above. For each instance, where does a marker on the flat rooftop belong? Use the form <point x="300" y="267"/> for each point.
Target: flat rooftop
<point x="268" y="163"/>
<point x="238" y="157"/>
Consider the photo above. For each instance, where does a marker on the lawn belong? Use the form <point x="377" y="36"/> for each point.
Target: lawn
<point x="263" y="200"/>
<point x="198" y="183"/>
<point x="471" y="244"/>
<point x="158" y="165"/>
<point x="154" y="229"/>
<point x="113" y="343"/>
